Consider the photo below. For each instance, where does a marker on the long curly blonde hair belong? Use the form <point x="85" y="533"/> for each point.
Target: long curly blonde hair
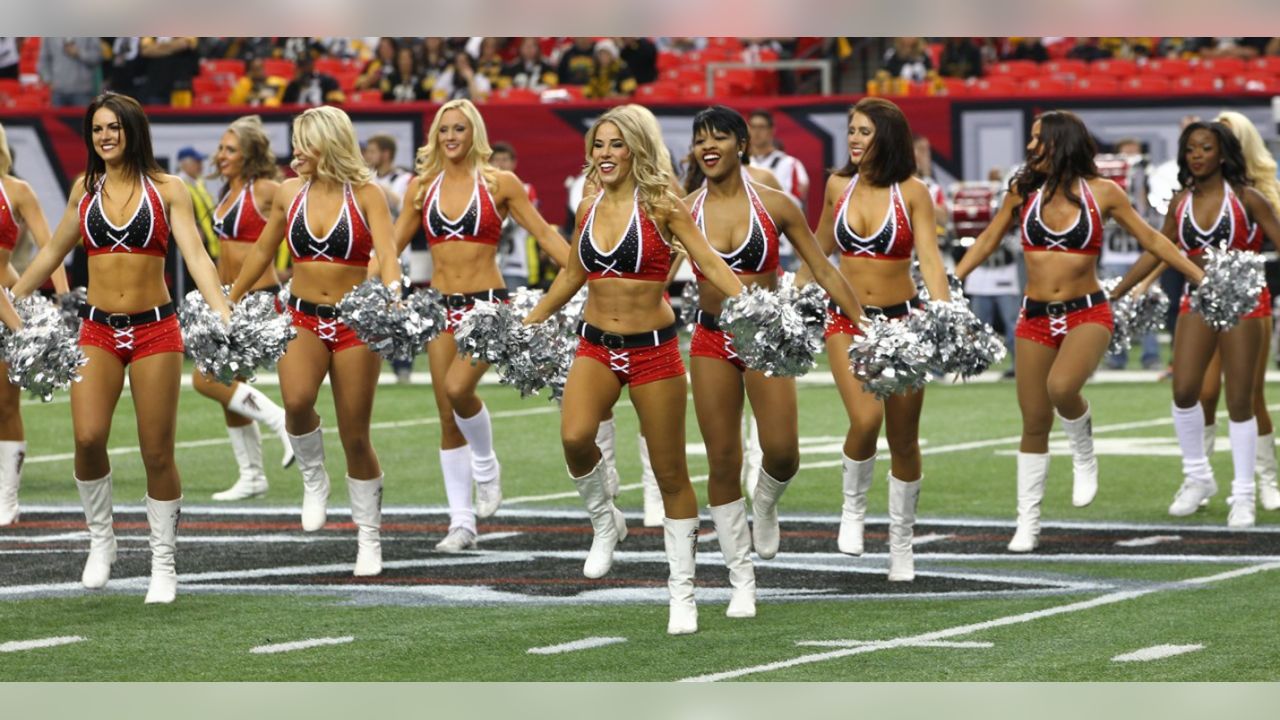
<point x="639" y="130"/>
<point x="1260" y="166"/>
<point x="6" y="157"/>
<point x="326" y="133"/>
<point x="429" y="160"/>
<point x="255" y="148"/>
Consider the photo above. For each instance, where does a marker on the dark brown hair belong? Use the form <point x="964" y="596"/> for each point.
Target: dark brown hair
<point x="138" y="156"/>
<point x="1068" y="150"/>
<point x="891" y="157"/>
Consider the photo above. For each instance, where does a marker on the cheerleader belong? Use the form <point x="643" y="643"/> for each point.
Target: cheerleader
<point x="878" y="212"/>
<point x="125" y="210"/>
<point x="1216" y="208"/>
<point x="19" y="208"/>
<point x="461" y="201"/>
<point x="1260" y="167"/>
<point x="335" y="218"/>
<point x="628" y="336"/>
<point x="1065" y="324"/>
<point x="246" y="163"/>
<point x="743" y="221"/>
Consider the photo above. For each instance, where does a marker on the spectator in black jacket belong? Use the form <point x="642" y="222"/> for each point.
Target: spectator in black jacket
<point x="577" y="62"/>
<point x="309" y="87"/>
<point x="641" y="55"/>
<point x="960" y="58"/>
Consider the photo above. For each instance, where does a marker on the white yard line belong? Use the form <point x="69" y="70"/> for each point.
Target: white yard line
<point x="19" y="645"/>
<point x="1156" y="652"/>
<point x="301" y="645"/>
<point x="960" y="630"/>
<point x="583" y="644"/>
<point x="860" y="643"/>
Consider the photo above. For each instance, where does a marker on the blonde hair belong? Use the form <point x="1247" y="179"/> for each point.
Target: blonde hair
<point x="639" y="130"/>
<point x="429" y="160"/>
<point x="6" y="157"/>
<point x="326" y="134"/>
<point x="255" y="148"/>
<point x="655" y="130"/>
<point x="1259" y="165"/>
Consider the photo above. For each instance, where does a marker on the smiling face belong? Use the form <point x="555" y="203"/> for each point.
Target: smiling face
<point x="108" y="135"/>
<point x="1203" y="155"/>
<point x="454" y="135"/>
<point x="228" y="158"/>
<point x="304" y="162"/>
<point x="717" y="152"/>
<point x="610" y="155"/>
<point x="862" y="133"/>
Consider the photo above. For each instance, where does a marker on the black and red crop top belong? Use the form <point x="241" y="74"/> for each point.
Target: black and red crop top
<point x="1230" y="230"/>
<point x="479" y="223"/>
<point x="642" y="254"/>
<point x="242" y="222"/>
<point x="146" y="232"/>
<point x="758" y="253"/>
<point x="349" y="241"/>
<point x="1083" y="237"/>
<point x="893" y="241"/>
<point x="8" y="222"/>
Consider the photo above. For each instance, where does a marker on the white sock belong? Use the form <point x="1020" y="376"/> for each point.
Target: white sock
<point x="479" y="434"/>
<point x="456" y="466"/>
<point x="1244" y="455"/>
<point x="1188" y="423"/>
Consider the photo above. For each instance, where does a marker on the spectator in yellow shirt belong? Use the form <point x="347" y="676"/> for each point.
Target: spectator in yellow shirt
<point x="256" y="88"/>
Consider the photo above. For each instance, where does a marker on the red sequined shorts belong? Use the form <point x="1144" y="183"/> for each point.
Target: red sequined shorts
<point x="334" y="333"/>
<point x="1263" y="309"/>
<point x="637" y="366"/>
<point x="134" y="342"/>
<point x="1051" y="329"/>
<point x="840" y="324"/>
<point x="710" y="341"/>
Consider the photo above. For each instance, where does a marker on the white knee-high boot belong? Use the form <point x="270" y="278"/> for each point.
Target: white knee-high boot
<point x="95" y="496"/>
<point x="1084" y="464"/>
<point x="853" y="513"/>
<point x="903" y="497"/>
<point x="162" y="516"/>
<point x="654" y="510"/>
<point x="752" y="457"/>
<point x="606" y="440"/>
<point x="607" y="522"/>
<point x="680" y="538"/>
<point x="1268" y="490"/>
<point x="366" y="515"/>
<point x="1033" y="468"/>
<point x="764" y="510"/>
<point x="735" y="544"/>
<point x="251" y="403"/>
<point x="246" y="443"/>
<point x="12" y="453"/>
<point x="309" y="449"/>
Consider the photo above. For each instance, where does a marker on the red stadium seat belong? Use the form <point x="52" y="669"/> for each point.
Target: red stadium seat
<point x="278" y="67"/>
<point x="685" y="74"/>
<point x="1069" y="67"/>
<point x="334" y="66"/>
<point x="1222" y="66"/>
<point x="347" y="79"/>
<point x="659" y="90"/>
<point x="367" y="97"/>
<point x="1045" y="86"/>
<point x="1097" y="85"/>
<point x="1114" y="68"/>
<point x="1145" y="84"/>
<point x="210" y="85"/>
<point x="1169" y="67"/>
<point x="1266" y="63"/>
<point x="1198" y="82"/>
<point x="510" y="95"/>
<point x="995" y="85"/>
<point x="222" y="66"/>
<point x="951" y="87"/>
<point x="1255" y="82"/>
<point x="668" y="61"/>
<point x="1014" y="68"/>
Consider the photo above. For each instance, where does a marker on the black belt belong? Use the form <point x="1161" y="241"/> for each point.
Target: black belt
<point x="120" y="321"/>
<point x="616" y="341"/>
<point x="1058" y="308"/>
<point x="709" y="321"/>
<point x="902" y="309"/>
<point x="324" y="312"/>
<point x="462" y="300"/>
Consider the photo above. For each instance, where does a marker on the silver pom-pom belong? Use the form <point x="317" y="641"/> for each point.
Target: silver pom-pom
<point x="259" y="334"/>
<point x="487" y="332"/>
<point x="69" y="304"/>
<point x="689" y="299"/>
<point x="1232" y="281"/>
<point x="963" y="344"/>
<point x="890" y="357"/>
<point x="256" y="337"/>
<point x="45" y="354"/>
<point x="1134" y="317"/>
<point x="524" y="300"/>
<point x="810" y="302"/>
<point x="769" y="333"/>
<point x="396" y="329"/>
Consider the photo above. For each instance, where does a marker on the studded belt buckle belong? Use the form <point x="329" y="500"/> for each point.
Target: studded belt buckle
<point x="457" y="300"/>
<point x="327" y="312"/>
<point x="118" y="321"/>
<point x="1057" y="308"/>
<point x="613" y="341"/>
